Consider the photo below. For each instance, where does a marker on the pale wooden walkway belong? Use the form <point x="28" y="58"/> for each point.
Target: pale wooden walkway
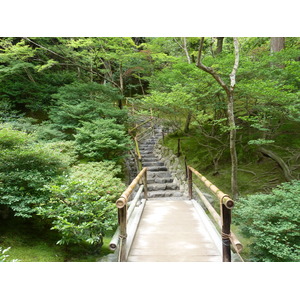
<point x="174" y="231"/>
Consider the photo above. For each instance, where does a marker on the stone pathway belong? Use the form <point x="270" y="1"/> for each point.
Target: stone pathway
<point x="171" y="228"/>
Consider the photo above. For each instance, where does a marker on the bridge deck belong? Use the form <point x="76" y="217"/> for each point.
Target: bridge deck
<point x="174" y="231"/>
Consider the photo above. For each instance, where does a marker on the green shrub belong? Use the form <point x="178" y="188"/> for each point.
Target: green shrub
<point x="25" y="167"/>
<point x="82" y="102"/>
<point x="273" y="223"/>
<point x="102" y="140"/>
<point x="82" y="205"/>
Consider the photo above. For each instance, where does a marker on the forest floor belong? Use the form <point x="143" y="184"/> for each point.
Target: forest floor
<point x="32" y="241"/>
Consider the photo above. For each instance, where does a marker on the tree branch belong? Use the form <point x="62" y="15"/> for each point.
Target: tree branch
<point x="209" y="70"/>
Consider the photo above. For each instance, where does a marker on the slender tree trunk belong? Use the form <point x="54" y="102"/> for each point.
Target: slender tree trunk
<point x="189" y="116"/>
<point x="232" y="145"/>
<point x="186" y="50"/>
<point x="277" y="44"/>
<point x="233" y="154"/>
<point x="121" y="87"/>
<point x="230" y="109"/>
<point x="219" y="45"/>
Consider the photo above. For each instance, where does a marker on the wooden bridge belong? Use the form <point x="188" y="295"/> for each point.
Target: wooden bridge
<point x="158" y="223"/>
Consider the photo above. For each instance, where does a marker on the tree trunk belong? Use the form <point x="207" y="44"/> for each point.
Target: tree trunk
<point x="121" y="87"/>
<point x="219" y="45"/>
<point x="187" y="122"/>
<point x="186" y="50"/>
<point x="230" y="109"/>
<point x="232" y="145"/>
<point x="277" y="44"/>
<point x="189" y="116"/>
<point x="287" y="172"/>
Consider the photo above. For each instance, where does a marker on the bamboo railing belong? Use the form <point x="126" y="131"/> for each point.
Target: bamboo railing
<point x="224" y="221"/>
<point x="124" y="214"/>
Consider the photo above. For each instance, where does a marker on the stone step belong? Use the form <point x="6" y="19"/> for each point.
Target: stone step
<point x="160" y="180"/>
<point x="152" y="163"/>
<point x="164" y="193"/>
<point x="143" y="152"/>
<point x="162" y="186"/>
<point x="146" y="149"/>
<point x="148" y="142"/>
<point x="159" y="174"/>
<point x="157" y="168"/>
<point x="149" y="159"/>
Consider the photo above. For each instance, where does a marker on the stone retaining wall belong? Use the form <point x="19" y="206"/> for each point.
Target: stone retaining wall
<point x="174" y="164"/>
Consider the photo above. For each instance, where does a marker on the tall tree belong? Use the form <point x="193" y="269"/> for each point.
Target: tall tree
<point x="229" y="90"/>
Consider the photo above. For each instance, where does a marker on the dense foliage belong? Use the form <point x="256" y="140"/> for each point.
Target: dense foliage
<point x="101" y="140"/>
<point x="81" y="204"/>
<point x="272" y="221"/>
<point x="25" y="167"/>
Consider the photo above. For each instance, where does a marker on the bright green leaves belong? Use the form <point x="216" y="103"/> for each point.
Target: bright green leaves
<point x="273" y="223"/>
<point x="102" y="139"/>
<point x="82" y="205"/>
<point x="81" y="102"/>
<point x="25" y="167"/>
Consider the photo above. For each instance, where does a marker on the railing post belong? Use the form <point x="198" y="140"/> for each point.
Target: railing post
<point x="226" y="220"/>
<point x="190" y="182"/>
<point x="122" y="215"/>
<point x="145" y="186"/>
<point x="186" y="168"/>
<point x="163" y="135"/>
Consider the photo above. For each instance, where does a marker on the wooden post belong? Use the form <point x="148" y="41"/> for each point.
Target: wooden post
<point x="186" y="168"/>
<point x="163" y="135"/>
<point x="190" y="183"/>
<point x="122" y="215"/>
<point x="226" y="220"/>
<point x="145" y="186"/>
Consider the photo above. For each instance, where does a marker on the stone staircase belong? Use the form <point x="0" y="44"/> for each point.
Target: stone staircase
<point x="159" y="179"/>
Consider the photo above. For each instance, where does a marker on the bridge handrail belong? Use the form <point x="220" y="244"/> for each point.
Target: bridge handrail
<point x="234" y="240"/>
<point x="224" y="198"/>
<point x="121" y="204"/>
<point x="137" y="126"/>
<point x="226" y="204"/>
<point x="115" y="239"/>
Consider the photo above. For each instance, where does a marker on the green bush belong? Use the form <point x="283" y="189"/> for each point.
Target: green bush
<point x="81" y="102"/>
<point x="82" y="205"/>
<point x="272" y="221"/>
<point x="102" y="140"/>
<point x="25" y="167"/>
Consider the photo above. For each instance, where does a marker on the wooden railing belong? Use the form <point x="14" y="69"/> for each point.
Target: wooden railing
<point x="124" y="215"/>
<point x="226" y="204"/>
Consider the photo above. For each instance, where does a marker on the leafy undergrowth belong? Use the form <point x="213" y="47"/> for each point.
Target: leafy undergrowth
<point x="256" y="173"/>
<point x="32" y="241"/>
